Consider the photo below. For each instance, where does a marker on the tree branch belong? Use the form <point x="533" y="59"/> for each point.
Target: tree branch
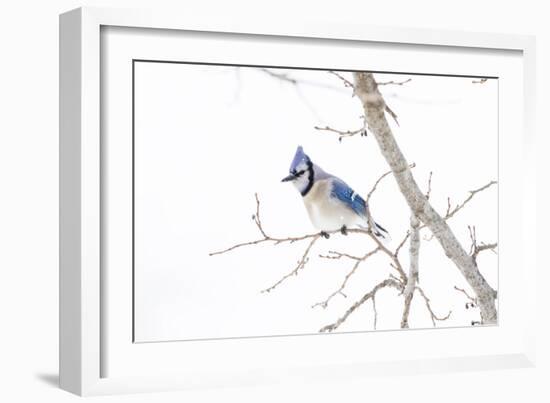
<point x="475" y="249"/>
<point x="346" y="82"/>
<point x="458" y="207"/>
<point x="366" y="89"/>
<point x="265" y="237"/>
<point x="301" y="264"/>
<point x="414" y="252"/>
<point x="394" y="82"/>
<point x="370" y="295"/>
<point x="367" y="199"/>
<point x="280" y="76"/>
<point x="433" y="316"/>
<point x="429" y="186"/>
<point x="349" y="84"/>
<point x="402" y="243"/>
<point x="347" y="133"/>
<point x="338" y="255"/>
<point x="472" y="301"/>
<point x="451" y="212"/>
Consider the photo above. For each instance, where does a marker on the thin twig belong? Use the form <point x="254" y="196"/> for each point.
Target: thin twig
<point x="458" y="207"/>
<point x="411" y="166"/>
<point x="401" y="243"/>
<point x="338" y="255"/>
<point x="265" y="237"/>
<point x="475" y="249"/>
<point x="276" y="241"/>
<point x="341" y="133"/>
<point x="392" y="114"/>
<point x="396" y="264"/>
<point x="375" y="185"/>
<point x="379" y="83"/>
<point x="472" y="299"/>
<point x="280" y="76"/>
<point x="472" y="231"/>
<point x="358" y="261"/>
<point x="386" y="283"/>
<point x="433" y="316"/>
<point x="484" y="246"/>
<point x="346" y="82"/>
<point x="301" y="264"/>
<point x="450" y="212"/>
<point x="471" y="303"/>
<point x="429" y="186"/>
<point x="345" y="133"/>
<point x="349" y="84"/>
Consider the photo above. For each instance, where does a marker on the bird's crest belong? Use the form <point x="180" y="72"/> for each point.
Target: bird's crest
<point x="299" y="157"/>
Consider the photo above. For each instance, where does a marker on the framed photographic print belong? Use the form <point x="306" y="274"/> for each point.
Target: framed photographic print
<point x="249" y="203"/>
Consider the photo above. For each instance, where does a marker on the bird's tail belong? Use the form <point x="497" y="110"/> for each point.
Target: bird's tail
<point x="380" y="232"/>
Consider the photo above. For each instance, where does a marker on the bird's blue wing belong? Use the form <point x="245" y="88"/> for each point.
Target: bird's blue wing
<point x="341" y="191"/>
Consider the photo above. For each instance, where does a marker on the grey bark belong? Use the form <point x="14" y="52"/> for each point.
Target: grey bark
<point x="414" y="253"/>
<point x="374" y="105"/>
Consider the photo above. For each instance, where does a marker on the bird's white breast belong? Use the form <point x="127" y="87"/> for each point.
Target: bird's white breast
<point x="327" y="213"/>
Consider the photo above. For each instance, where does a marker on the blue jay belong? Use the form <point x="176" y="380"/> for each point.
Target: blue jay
<point x="331" y="204"/>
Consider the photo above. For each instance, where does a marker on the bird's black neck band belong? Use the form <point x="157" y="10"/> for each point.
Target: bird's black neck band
<point x="310" y="175"/>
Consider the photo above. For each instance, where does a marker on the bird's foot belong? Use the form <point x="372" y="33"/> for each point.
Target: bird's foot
<point x="325" y="235"/>
<point x="344" y="230"/>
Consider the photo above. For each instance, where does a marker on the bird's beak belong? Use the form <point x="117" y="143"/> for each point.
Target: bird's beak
<point x="288" y="178"/>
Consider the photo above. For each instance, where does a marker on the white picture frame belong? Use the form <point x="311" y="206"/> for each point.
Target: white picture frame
<point x="84" y="347"/>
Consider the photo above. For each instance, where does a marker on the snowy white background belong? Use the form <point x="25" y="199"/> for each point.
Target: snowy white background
<point x="208" y="137"/>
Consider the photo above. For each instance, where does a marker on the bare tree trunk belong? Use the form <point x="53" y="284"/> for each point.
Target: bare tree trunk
<point x="414" y="252"/>
<point x="374" y="105"/>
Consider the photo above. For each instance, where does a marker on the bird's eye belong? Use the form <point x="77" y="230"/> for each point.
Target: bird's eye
<point x="299" y="173"/>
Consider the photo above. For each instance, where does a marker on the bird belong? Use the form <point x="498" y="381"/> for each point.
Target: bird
<point x="332" y="205"/>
